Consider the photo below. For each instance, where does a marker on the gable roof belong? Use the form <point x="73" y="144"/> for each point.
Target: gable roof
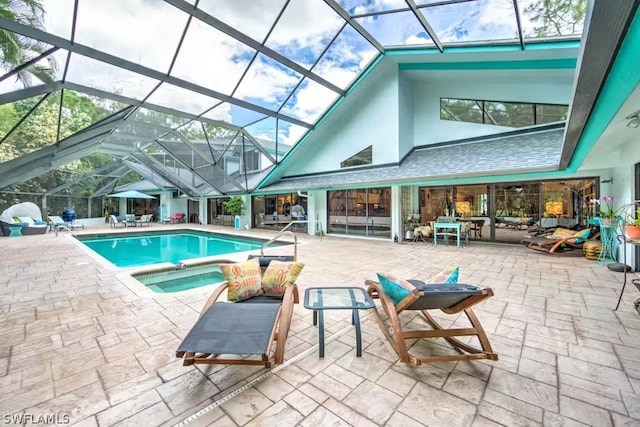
<point x="531" y="150"/>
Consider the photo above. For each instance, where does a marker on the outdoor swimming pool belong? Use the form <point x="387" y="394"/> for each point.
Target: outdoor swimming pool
<point x="132" y="250"/>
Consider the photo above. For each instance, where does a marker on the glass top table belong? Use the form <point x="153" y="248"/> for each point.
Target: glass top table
<point x="319" y="299"/>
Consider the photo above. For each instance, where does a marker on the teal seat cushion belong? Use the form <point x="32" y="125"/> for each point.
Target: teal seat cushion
<point x="395" y="288"/>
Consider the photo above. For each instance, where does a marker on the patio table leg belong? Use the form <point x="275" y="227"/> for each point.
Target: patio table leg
<point x="321" y="333"/>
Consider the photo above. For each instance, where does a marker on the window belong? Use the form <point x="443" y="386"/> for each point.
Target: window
<point x="508" y="114"/>
<point x="364" y="157"/>
<point x="251" y="161"/>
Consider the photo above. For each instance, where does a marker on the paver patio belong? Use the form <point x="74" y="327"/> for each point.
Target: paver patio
<point x="74" y="340"/>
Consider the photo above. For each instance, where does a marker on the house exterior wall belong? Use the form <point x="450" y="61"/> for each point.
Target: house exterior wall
<point x="406" y="116"/>
<point x="368" y="116"/>
<point x="540" y="86"/>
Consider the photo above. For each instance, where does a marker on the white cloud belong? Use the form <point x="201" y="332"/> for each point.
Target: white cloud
<point x="140" y="31"/>
<point x="252" y="17"/>
<point x="479" y="20"/>
<point x="222" y="112"/>
<point x="379" y="5"/>
<point x="311" y="99"/>
<point x="220" y="59"/>
<point x="99" y="75"/>
<point x="267" y="82"/>
<point x="304" y="30"/>
<point x="170" y="96"/>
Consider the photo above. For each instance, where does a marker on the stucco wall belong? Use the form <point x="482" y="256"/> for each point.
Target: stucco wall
<point x="540" y="86"/>
<point x="368" y="116"/>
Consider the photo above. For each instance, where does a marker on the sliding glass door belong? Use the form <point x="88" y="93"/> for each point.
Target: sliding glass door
<point x="360" y="212"/>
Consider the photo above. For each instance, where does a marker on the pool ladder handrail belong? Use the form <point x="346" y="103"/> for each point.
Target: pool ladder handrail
<point x="285" y="229"/>
<point x="305" y="221"/>
<point x="280" y="234"/>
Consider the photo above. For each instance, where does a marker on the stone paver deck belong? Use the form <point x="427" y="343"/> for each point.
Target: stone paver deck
<point x="76" y="342"/>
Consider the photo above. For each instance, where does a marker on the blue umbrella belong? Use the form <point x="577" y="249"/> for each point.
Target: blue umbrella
<point x="131" y="194"/>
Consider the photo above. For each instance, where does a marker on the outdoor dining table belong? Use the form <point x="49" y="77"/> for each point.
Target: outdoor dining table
<point x="445" y="226"/>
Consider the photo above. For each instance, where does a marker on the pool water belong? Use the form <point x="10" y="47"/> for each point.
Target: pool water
<point x="153" y="248"/>
<point x="181" y="280"/>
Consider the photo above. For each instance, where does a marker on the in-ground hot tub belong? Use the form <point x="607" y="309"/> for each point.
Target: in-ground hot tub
<point x="182" y="277"/>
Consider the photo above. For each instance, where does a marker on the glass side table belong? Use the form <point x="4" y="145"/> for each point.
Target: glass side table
<point x="337" y="298"/>
<point x="15" y="231"/>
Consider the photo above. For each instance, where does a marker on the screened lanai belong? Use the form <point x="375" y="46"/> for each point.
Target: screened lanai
<point x="210" y="95"/>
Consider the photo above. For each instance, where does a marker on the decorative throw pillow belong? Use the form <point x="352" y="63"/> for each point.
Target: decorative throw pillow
<point x="279" y="275"/>
<point x="581" y="235"/>
<point x="394" y="287"/>
<point x="244" y="279"/>
<point x="561" y="233"/>
<point x="26" y="219"/>
<point x="447" y="275"/>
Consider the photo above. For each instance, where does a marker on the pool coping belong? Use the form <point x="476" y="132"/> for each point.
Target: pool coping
<point x="126" y="274"/>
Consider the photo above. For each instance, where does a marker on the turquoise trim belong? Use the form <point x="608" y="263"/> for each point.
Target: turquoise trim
<point x="622" y="80"/>
<point x="534" y="64"/>
<point x="529" y="45"/>
<point x="559" y="44"/>
<point x="365" y="74"/>
<point x="326" y="114"/>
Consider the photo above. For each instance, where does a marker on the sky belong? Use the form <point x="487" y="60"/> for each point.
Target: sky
<point x="308" y="32"/>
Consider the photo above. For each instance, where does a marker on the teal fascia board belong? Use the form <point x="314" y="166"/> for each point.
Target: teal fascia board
<point x="536" y="64"/>
<point x="326" y="114"/>
<point x="622" y="80"/>
<point x="365" y="74"/>
<point x="531" y="45"/>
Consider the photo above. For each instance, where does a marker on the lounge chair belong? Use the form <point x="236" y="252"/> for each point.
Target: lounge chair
<point x="26" y="216"/>
<point x="450" y="298"/>
<point x="55" y="222"/>
<point x="257" y="326"/>
<point x="74" y="225"/>
<point x="179" y="217"/>
<point x="113" y="222"/>
<point x="144" y="220"/>
<point x="562" y="242"/>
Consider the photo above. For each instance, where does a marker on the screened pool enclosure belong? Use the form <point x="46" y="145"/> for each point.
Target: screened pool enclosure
<point x="206" y="97"/>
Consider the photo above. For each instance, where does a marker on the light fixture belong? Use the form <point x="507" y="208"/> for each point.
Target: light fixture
<point x="634" y="120"/>
<point x="553" y="208"/>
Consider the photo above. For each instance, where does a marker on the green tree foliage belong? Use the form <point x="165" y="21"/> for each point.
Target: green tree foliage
<point x="16" y="49"/>
<point x="40" y="129"/>
<point x="557" y="17"/>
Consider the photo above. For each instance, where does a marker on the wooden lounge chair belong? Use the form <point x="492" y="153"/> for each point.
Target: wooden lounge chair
<point x="562" y="245"/>
<point x="254" y="327"/>
<point x="448" y="297"/>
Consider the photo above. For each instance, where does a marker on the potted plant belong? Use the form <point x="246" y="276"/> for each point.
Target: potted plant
<point x="607" y="214"/>
<point x="235" y="206"/>
<point x="632" y="226"/>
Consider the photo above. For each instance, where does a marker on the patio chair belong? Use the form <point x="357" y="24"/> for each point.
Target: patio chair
<point x="397" y="296"/>
<point x="255" y="326"/>
<point x="113" y="222"/>
<point x="178" y="217"/>
<point x="55" y="222"/>
<point x="562" y="242"/>
<point x="144" y="220"/>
